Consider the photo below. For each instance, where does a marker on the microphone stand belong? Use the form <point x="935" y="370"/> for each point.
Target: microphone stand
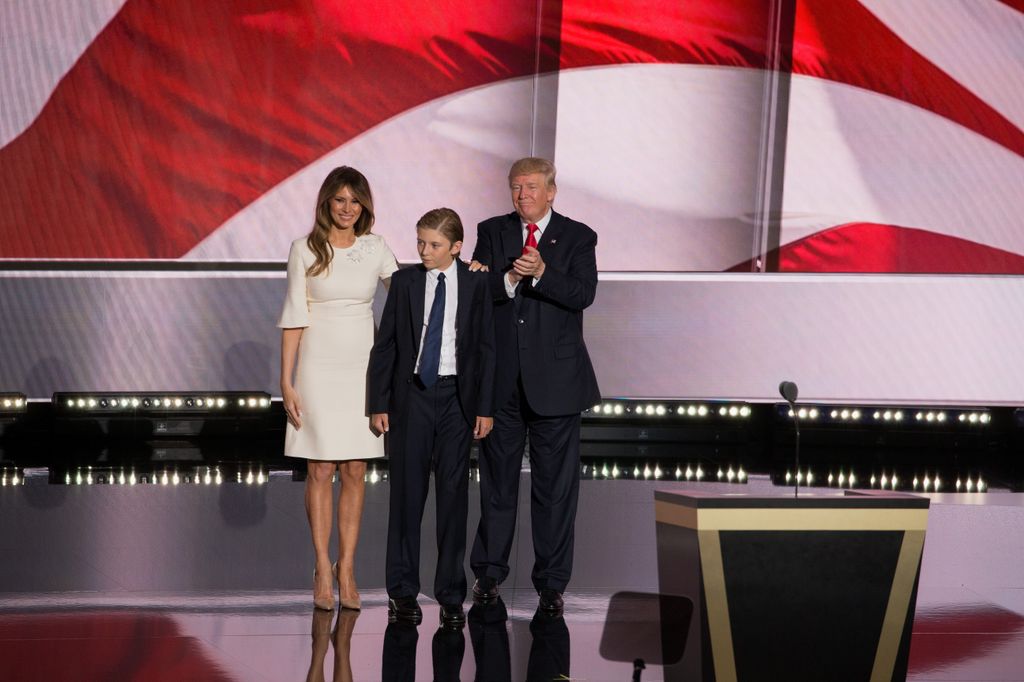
<point x="789" y="391"/>
<point x="796" y="452"/>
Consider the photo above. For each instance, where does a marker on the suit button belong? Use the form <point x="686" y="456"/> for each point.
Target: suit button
<point x="408" y="381"/>
<point x="522" y="321"/>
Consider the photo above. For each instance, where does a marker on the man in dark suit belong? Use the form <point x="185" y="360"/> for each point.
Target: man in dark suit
<point x="543" y="274"/>
<point x="431" y="381"/>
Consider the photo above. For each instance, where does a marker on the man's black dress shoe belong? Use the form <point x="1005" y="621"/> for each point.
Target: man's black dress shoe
<point x="452" y="615"/>
<point x="485" y="589"/>
<point x="551" y="601"/>
<point x="404" y="609"/>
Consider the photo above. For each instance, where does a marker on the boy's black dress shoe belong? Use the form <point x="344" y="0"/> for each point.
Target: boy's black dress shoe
<point x="551" y="601"/>
<point x="452" y="615"/>
<point x="485" y="589"/>
<point x="404" y="609"/>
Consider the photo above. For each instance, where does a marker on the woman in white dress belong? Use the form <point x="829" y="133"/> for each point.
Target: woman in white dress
<point x="327" y="333"/>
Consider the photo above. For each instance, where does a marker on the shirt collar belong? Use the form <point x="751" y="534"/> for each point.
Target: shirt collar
<point x="449" y="272"/>
<point x="541" y="224"/>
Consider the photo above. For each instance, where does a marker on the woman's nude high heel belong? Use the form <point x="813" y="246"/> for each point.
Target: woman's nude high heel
<point x="322" y="603"/>
<point x="353" y="604"/>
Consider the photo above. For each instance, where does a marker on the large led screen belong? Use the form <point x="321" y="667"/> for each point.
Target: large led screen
<point x="770" y="179"/>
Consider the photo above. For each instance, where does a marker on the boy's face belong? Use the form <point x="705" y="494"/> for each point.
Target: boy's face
<point x="436" y="251"/>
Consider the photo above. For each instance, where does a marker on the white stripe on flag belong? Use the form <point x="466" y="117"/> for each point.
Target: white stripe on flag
<point x="857" y="156"/>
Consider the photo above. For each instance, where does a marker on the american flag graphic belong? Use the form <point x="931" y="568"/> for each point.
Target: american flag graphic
<point x="201" y="130"/>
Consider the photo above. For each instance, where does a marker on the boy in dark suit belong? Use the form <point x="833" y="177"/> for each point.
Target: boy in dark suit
<point x="431" y="379"/>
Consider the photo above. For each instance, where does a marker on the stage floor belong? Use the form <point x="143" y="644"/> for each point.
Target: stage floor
<point x="201" y="581"/>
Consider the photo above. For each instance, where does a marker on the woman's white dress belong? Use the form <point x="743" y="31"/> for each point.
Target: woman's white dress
<point x="335" y="309"/>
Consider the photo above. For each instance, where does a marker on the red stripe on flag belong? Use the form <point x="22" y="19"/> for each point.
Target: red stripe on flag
<point x="841" y="40"/>
<point x="869" y="247"/>
<point x="713" y="32"/>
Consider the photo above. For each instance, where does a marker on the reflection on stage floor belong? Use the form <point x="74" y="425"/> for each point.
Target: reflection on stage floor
<point x="200" y="581"/>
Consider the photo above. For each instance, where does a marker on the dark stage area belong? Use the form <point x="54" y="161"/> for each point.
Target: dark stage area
<point x="910" y="448"/>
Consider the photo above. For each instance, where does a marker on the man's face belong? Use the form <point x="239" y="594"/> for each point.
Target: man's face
<point x="531" y="196"/>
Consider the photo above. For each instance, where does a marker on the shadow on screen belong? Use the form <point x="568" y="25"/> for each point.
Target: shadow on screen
<point x="651" y="627"/>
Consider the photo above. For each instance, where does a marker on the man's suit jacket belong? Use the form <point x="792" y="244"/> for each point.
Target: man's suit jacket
<point x="394" y="353"/>
<point x="539" y="333"/>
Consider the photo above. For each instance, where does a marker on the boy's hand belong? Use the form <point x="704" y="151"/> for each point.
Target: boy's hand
<point x="483" y="427"/>
<point x="379" y="422"/>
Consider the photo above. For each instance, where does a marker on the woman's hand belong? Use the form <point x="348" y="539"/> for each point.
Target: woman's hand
<point x="292" y="405"/>
<point x="477" y="265"/>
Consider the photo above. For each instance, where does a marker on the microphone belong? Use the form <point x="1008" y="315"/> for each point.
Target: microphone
<point x="789" y="391"/>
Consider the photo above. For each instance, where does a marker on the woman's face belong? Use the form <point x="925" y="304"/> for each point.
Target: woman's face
<point x="345" y="208"/>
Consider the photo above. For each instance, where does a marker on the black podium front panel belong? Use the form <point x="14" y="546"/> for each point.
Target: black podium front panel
<point x="808" y="588"/>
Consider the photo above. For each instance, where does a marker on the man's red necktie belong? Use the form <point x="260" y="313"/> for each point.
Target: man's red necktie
<point x="531" y="239"/>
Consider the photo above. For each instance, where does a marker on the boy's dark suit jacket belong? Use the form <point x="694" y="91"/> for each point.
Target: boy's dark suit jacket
<point x="539" y="333"/>
<point x="393" y="357"/>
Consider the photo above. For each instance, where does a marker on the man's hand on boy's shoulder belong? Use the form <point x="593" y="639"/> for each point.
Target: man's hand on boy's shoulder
<point x="483" y="427"/>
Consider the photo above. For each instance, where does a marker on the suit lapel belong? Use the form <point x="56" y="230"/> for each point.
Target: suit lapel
<point x="548" y="240"/>
<point x="416" y="293"/>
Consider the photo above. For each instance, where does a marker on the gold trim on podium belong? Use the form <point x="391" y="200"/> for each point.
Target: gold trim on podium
<point x="907" y="565"/>
<point x="709" y="522"/>
<point x="717" y="601"/>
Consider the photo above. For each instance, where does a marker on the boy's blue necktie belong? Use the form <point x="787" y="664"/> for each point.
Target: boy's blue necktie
<point x="430" y="360"/>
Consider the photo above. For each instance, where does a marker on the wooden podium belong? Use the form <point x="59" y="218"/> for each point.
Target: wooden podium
<point x="816" y="587"/>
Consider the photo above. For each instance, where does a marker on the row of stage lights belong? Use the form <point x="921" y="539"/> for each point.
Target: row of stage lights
<point x="213" y="476"/>
<point x="96" y="402"/>
<point x="924" y="483"/>
<point x="170" y="477"/>
<point x="215" y="402"/>
<point x="92" y="403"/>
<point x="673" y="470"/>
<point x="679" y="472"/>
<point x="113" y="402"/>
<point x="167" y="477"/>
<point x="888" y="415"/>
<point x="621" y="408"/>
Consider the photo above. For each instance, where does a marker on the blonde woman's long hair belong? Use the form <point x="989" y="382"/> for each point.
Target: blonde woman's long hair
<point x="319" y="237"/>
